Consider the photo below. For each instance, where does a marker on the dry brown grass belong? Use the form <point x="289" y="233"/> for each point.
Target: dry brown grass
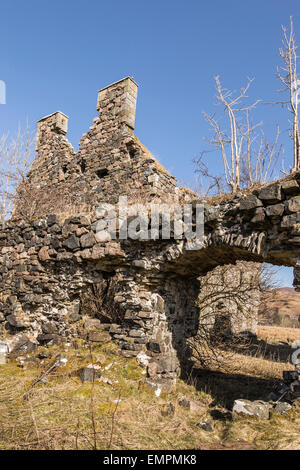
<point x="59" y="414"/>
<point x="277" y="333"/>
<point x="256" y="366"/>
<point x="286" y="302"/>
<point x="279" y="433"/>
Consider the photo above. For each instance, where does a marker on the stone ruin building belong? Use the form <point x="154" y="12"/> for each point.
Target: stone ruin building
<point x="59" y="279"/>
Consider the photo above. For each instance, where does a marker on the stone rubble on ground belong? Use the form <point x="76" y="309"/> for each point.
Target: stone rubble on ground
<point x="90" y="373"/>
<point x="190" y="404"/>
<point x="206" y="426"/>
<point x="258" y="408"/>
<point x="282" y="408"/>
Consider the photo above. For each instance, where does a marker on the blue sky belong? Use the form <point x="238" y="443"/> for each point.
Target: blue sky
<point x="56" y="55"/>
<point x="282" y="276"/>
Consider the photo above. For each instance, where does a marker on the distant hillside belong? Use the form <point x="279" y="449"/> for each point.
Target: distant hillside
<point x="280" y="307"/>
<point x="287" y="290"/>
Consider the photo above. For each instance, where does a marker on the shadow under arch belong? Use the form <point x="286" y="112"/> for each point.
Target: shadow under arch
<point x="182" y="319"/>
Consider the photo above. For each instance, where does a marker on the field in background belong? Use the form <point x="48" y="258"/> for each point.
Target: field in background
<point x="277" y="333"/>
<point x="281" y="307"/>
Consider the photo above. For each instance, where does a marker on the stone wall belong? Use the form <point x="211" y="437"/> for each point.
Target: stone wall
<point x="47" y="267"/>
<point x="51" y="258"/>
<point x="150" y="289"/>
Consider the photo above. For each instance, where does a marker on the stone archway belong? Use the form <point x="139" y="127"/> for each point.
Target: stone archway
<point x="47" y="259"/>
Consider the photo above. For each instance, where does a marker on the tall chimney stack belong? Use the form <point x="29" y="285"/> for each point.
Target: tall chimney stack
<point x="56" y="122"/>
<point x="118" y="101"/>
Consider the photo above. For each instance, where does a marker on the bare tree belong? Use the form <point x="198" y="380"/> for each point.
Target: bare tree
<point x="288" y="77"/>
<point x="228" y="305"/>
<point x="15" y="158"/>
<point x="216" y="181"/>
<point x="247" y="157"/>
<point x="258" y="161"/>
<point x="268" y="278"/>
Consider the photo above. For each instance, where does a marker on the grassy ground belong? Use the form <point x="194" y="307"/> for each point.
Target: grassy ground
<point x="277" y="333"/>
<point x="63" y="413"/>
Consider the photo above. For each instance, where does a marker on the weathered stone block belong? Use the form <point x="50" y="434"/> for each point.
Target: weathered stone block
<point x="92" y="323"/>
<point x="293" y="205"/>
<point x="206" y="426"/>
<point x="159" y="385"/>
<point x="275" y="210"/>
<point x="167" y="363"/>
<point x="139" y="263"/>
<point x="72" y="243"/>
<point x="136" y="333"/>
<point x="119" y="299"/>
<point x="115" y="328"/>
<point x="211" y="214"/>
<point x="87" y="240"/>
<point x="191" y="405"/>
<point x="90" y="373"/>
<point x="152" y="368"/>
<point x="154" y="347"/>
<point x="49" y="328"/>
<point x="43" y="254"/>
<point x="49" y="338"/>
<point x="282" y="408"/>
<point x="145" y="315"/>
<point x="68" y="229"/>
<point x="84" y="220"/>
<point x="160" y="304"/>
<point x="18" y="319"/>
<point x="271" y="193"/>
<point x="103" y="236"/>
<point x="249" y="202"/>
<point x="258" y="408"/>
<point x="288" y="221"/>
<point x="129" y="354"/>
<point x="86" y="254"/>
<point x="52" y="219"/>
<point x="290" y="187"/>
<point x="21" y="343"/>
<point x="74" y="317"/>
<point x="259" y="216"/>
<point x="99" y="336"/>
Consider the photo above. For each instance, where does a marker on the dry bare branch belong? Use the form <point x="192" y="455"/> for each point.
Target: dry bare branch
<point x="15" y="158"/>
<point x="228" y="303"/>
<point x="247" y="157"/>
<point x="287" y="74"/>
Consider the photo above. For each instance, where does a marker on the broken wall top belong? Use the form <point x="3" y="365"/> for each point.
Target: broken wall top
<point x="110" y="161"/>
